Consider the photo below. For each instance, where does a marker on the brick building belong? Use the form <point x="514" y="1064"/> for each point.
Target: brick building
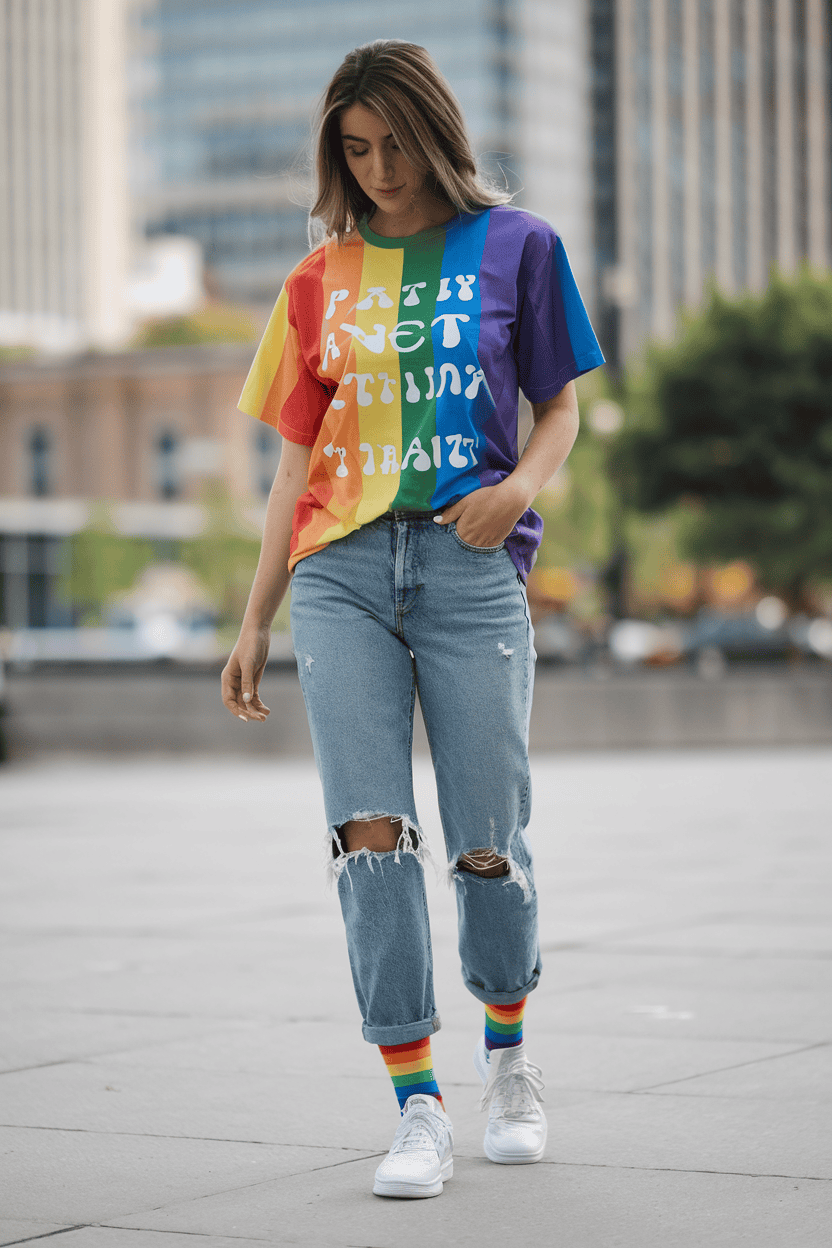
<point x="140" y="431"/>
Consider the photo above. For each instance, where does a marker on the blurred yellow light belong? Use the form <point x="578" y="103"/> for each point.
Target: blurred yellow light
<point x="559" y="583"/>
<point x="678" y="582"/>
<point x="732" y="582"/>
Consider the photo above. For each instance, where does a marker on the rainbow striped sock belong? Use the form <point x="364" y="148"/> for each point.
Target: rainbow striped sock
<point x="411" y="1068"/>
<point x="504" y="1025"/>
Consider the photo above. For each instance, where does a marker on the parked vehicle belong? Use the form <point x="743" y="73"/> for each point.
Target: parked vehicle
<point x="557" y="639"/>
<point x="813" y="637"/>
<point x="634" y="642"/>
<point x="716" y="640"/>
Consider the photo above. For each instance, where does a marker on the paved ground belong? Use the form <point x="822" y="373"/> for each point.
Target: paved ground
<point x="183" y="1064"/>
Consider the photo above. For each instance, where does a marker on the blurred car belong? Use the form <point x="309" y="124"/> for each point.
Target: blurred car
<point x="557" y="639"/>
<point x="813" y="637"/>
<point x="714" y="641"/>
<point x="634" y="642"/>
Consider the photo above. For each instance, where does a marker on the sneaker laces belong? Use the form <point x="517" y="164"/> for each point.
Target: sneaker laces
<point x="519" y="1083"/>
<point x="419" y="1128"/>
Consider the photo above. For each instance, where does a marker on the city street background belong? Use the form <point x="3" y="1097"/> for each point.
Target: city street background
<point x="182" y="1050"/>
<point x="158" y="160"/>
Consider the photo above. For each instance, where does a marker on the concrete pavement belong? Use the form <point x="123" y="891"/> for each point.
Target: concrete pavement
<point x="180" y="1046"/>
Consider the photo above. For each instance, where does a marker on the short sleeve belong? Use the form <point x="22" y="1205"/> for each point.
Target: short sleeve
<point x="555" y="341"/>
<point x="280" y="388"/>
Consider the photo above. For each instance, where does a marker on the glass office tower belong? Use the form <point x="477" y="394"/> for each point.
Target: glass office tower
<point x="723" y="153"/>
<point x="222" y="92"/>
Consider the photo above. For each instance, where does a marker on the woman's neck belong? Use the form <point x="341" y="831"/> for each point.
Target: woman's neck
<point x="421" y="214"/>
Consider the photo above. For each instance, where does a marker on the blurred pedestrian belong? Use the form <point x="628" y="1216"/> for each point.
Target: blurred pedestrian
<point x="402" y="509"/>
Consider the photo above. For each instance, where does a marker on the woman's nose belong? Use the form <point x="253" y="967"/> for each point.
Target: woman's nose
<point x="383" y="165"/>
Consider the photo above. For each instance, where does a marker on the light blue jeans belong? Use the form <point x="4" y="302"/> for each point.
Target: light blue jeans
<point x="399" y="606"/>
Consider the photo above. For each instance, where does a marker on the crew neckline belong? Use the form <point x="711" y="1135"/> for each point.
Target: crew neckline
<point x="410" y="240"/>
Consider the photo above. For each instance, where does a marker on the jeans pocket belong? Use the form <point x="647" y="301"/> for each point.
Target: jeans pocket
<point x="478" y="550"/>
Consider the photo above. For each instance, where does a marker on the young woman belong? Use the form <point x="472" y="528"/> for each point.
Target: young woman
<point x="401" y="508"/>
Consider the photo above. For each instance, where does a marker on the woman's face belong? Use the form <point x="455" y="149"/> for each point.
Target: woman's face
<point x="381" y="170"/>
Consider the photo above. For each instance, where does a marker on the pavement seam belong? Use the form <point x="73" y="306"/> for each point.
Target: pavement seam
<point x="245" y="1187"/>
<point x="61" y="1061"/>
<point x="754" y="1061"/>
<point x="741" y="1174"/>
<point x="154" y="1230"/>
<point x="155" y="1135"/>
<point x="82" y="1226"/>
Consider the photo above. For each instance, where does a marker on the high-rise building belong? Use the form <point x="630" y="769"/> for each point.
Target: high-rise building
<point x="712" y="153"/>
<point x="223" y="94"/>
<point x="63" y="191"/>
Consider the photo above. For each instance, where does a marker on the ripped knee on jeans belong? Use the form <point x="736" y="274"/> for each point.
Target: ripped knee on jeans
<point x="379" y="834"/>
<point x="485" y="862"/>
<point x="488" y="864"/>
<point x="373" y="836"/>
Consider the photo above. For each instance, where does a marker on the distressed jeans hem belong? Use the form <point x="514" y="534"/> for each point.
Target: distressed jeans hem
<point x="401" y="1033"/>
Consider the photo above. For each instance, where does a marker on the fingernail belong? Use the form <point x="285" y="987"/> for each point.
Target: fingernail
<point x="243" y="718"/>
<point x="438" y="519"/>
<point x="246" y="697"/>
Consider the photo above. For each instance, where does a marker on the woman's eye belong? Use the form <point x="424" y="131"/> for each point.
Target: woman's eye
<point x="353" y="152"/>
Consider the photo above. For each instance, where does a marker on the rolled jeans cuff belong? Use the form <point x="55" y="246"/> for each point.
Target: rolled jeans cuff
<point x="403" y="1033"/>
<point x="503" y="998"/>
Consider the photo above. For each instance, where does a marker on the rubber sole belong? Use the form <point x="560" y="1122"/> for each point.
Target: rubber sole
<point x="415" y="1191"/>
<point x="511" y="1159"/>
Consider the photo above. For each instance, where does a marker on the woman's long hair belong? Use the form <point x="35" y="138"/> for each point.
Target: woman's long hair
<point x="401" y="84"/>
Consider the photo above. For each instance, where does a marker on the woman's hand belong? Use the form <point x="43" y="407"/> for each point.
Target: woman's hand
<point x="241" y="675"/>
<point x="487" y="516"/>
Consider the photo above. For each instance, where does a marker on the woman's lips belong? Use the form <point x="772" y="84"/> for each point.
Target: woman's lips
<point x="395" y="190"/>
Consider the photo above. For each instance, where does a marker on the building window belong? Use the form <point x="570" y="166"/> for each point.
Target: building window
<point x="167" y="465"/>
<point x="266" y="455"/>
<point x="31" y="569"/>
<point x="40" y="462"/>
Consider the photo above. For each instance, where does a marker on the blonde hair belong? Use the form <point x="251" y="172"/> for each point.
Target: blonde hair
<point x="401" y="84"/>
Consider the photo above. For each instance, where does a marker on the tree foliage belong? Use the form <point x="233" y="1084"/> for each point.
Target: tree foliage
<point x="735" y="420"/>
<point x="215" y="323"/>
<point x="102" y="563"/>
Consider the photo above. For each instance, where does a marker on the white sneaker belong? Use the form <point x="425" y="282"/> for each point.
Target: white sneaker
<point x="516" y="1131"/>
<point x="421" y="1156"/>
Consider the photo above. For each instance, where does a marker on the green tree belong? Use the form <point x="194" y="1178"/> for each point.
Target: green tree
<point x="101" y="563"/>
<point x="225" y="556"/>
<point x="216" y="322"/>
<point x="734" y="422"/>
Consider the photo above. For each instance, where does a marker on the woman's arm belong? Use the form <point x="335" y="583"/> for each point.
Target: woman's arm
<point x="242" y="672"/>
<point x="487" y="516"/>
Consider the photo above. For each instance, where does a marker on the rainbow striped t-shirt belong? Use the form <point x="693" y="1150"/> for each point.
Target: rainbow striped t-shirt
<point x="398" y="360"/>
